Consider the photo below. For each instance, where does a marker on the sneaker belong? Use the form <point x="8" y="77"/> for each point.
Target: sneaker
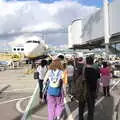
<point x="58" y="118"/>
<point x="41" y="101"/>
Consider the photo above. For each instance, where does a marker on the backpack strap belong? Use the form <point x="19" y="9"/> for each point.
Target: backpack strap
<point x="53" y="73"/>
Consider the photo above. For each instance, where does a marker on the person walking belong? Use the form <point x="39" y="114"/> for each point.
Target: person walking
<point x="70" y="71"/>
<point x="105" y="78"/>
<point x="91" y="75"/>
<point x="41" y="69"/>
<point x="55" y="92"/>
<point x="65" y="80"/>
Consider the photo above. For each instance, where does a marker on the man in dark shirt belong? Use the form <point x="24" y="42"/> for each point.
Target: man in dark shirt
<point x="91" y="76"/>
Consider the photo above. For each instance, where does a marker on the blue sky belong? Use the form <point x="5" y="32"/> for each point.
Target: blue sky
<point x="97" y="3"/>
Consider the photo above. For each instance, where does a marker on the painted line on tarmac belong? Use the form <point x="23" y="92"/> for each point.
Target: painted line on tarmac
<point x="5" y="102"/>
<point x="116" y="83"/>
<point x="18" y="107"/>
<point x="14" y="90"/>
<point x="98" y="101"/>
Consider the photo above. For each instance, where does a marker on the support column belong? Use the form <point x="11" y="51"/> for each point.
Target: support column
<point x="106" y="27"/>
<point x="107" y="50"/>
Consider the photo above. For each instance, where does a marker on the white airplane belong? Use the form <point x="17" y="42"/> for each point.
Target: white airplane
<point x="33" y="46"/>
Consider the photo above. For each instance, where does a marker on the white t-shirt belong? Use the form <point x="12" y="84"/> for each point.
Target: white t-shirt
<point x="70" y="70"/>
<point x="42" y="71"/>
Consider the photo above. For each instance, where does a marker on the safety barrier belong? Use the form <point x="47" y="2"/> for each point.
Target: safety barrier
<point x="27" y="113"/>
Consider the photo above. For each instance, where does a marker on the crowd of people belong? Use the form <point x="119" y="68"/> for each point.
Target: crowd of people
<point x="58" y="76"/>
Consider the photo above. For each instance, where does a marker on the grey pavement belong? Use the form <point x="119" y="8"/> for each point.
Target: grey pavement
<point x="9" y="112"/>
<point x="15" y="84"/>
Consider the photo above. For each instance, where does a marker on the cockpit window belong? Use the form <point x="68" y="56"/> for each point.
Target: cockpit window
<point x="34" y="41"/>
<point x="29" y="41"/>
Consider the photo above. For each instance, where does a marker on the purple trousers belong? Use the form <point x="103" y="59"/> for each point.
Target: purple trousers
<point x="55" y="106"/>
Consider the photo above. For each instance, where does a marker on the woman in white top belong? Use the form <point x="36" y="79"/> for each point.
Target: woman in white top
<point x="55" y="92"/>
<point x="42" y="69"/>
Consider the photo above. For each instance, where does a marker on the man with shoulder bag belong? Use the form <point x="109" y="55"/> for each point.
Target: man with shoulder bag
<point x="91" y="76"/>
<point x="79" y="83"/>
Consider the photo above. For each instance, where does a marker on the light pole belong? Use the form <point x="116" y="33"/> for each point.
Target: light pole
<point x="106" y="27"/>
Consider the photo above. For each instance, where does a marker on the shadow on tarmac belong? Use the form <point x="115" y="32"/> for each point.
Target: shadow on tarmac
<point x="103" y="111"/>
<point x="18" y="117"/>
<point x="37" y="108"/>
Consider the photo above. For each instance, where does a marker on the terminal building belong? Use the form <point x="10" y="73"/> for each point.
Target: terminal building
<point x="88" y="33"/>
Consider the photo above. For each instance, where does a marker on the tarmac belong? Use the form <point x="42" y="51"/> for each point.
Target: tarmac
<point x="3" y="87"/>
<point x="15" y="84"/>
<point x="16" y="88"/>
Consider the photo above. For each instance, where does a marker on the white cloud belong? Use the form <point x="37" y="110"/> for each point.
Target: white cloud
<point x="43" y="26"/>
<point x="18" y="41"/>
<point x="36" y="16"/>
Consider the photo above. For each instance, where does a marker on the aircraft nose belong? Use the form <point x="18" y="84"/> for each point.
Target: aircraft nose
<point x="29" y="49"/>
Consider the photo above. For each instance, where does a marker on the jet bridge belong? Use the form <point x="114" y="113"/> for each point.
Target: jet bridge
<point x="91" y="29"/>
